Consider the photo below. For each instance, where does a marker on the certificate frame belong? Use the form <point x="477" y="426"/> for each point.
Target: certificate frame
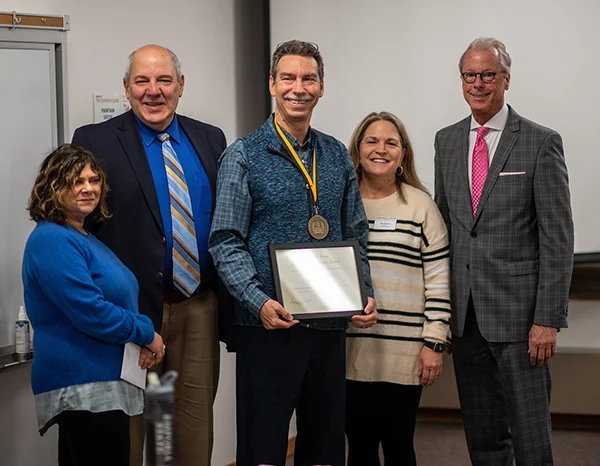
<point x="319" y="280"/>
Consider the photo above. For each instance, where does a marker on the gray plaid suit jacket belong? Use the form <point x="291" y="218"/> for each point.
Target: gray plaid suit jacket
<point x="516" y="256"/>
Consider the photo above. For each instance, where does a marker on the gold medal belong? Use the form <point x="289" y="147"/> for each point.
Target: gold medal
<point x="318" y="227"/>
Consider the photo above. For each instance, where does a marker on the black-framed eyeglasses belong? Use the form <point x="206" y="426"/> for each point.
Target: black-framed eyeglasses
<point x="487" y="76"/>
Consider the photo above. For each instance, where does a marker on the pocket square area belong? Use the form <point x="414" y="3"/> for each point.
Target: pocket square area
<point x="511" y="173"/>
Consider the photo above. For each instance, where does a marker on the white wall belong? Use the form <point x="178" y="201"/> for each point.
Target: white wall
<point x="102" y="35"/>
<point x="403" y="56"/>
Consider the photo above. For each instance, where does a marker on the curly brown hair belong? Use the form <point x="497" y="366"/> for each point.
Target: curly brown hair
<point x="58" y="173"/>
<point x="409" y="171"/>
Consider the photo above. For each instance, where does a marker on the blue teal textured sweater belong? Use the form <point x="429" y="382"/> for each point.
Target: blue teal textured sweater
<point x="262" y="199"/>
<point x="82" y="303"/>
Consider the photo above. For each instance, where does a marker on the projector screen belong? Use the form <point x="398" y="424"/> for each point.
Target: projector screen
<point x="402" y="56"/>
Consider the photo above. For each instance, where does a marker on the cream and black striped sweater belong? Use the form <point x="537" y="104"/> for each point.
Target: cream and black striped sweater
<point x="410" y="273"/>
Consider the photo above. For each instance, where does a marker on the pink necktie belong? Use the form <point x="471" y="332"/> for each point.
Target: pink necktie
<point x="480" y="166"/>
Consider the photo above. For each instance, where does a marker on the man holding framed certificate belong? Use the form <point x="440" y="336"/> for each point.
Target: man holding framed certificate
<point x="289" y="227"/>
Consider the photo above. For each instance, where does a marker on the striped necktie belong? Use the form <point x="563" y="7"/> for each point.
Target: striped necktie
<point x="186" y="271"/>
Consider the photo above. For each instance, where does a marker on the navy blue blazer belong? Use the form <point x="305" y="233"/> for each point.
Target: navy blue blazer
<point x="135" y="232"/>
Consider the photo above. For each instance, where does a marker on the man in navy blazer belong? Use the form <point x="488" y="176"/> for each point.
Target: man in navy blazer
<point x="511" y="250"/>
<point x="140" y="234"/>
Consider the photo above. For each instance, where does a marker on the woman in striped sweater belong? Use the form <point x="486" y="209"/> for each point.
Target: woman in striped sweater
<point x="390" y="363"/>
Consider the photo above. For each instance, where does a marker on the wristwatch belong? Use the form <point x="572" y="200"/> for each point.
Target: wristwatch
<point x="437" y="347"/>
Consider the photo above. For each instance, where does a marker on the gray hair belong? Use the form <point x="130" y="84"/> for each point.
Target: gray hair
<point x="300" y="48"/>
<point x="174" y="60"/>
<point x="489" y="43"/>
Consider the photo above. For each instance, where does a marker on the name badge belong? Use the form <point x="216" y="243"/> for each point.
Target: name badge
<point x="385" y="223"/>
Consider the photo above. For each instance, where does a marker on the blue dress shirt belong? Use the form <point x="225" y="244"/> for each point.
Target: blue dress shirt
<point x="198" y="186"/>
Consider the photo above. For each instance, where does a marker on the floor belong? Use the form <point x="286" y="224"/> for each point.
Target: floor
<point x="444" y="445"/>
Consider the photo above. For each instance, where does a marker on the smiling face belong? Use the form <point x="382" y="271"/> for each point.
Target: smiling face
<point x="484" y="99"/>
<point x="381" y="152"/>
<point x="81" y="200"/>
<point x="296" y="88"/>
<point x="153" y="89"/>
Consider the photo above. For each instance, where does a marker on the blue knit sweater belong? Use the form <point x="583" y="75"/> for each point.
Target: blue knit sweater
<point x="82" y="303"/>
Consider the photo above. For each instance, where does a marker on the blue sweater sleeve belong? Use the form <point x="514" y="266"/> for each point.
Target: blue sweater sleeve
<point x="67" y="269"/>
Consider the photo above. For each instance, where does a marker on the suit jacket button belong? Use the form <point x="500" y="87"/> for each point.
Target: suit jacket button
<point x="473" y="234"/>
<point x="163" y="240"/>
<point x="159" y="275"/>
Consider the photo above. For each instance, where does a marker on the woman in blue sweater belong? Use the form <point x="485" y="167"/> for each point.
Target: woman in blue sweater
<point x="82" y="303"/>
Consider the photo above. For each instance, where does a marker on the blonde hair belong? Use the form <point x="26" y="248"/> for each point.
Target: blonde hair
<point x="409" y="172"/>
<point x="57" y="175"/>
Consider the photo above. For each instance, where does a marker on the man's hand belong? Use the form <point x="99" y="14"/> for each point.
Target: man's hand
<point x="542" y="344"/>
<point x="274" y="316"/>
<point x="370" y="317"/>
<point x="430" y="366"/>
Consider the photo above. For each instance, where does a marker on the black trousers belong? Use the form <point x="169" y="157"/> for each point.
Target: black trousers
<point x="381" y="412"/>
<point x="93" y="439"/>
<point x="281" y="370"/>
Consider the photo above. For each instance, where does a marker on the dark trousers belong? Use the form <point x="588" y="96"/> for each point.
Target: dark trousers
<point x="504" y="400"/>
<point x="281" y="370"/>
<point x="381" y="412"/>
<point x="93" y="439"/>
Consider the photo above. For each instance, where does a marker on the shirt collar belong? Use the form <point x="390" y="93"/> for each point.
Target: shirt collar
<point x="497" y="122"/>
<point x="150" y="135"/>
<point x="293" y="141"/>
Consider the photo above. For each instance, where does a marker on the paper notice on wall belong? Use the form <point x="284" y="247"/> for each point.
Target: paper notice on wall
<point x="108" y="105"/>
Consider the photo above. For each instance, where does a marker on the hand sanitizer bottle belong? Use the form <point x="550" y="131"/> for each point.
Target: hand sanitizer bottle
<point x="23" y="340"/>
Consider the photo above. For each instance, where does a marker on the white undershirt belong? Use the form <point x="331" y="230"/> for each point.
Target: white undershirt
<point x="496" y="125"/>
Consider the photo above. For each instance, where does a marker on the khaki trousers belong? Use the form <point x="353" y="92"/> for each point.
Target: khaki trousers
<point x="189" y="331"/>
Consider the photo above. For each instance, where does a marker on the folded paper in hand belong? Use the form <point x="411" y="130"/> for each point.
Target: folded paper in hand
<point x="130" y="370"/>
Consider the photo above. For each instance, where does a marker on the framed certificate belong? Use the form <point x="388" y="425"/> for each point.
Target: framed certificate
<point x="317" y="280"/>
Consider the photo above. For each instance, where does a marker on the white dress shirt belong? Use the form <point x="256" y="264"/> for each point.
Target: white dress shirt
<point x="496" y="125"/>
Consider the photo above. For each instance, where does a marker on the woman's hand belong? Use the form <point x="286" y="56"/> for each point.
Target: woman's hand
<point x="430" y="366"/>
<point x="147" y="358"/>
<point x="157" y="348"/>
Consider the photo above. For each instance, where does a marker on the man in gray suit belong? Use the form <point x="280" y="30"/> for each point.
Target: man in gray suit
<point x="502" y="187"/>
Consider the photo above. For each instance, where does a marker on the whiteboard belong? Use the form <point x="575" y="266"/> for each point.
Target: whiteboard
<point x="28" y="122"/>
<point x="402" y="56"/>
